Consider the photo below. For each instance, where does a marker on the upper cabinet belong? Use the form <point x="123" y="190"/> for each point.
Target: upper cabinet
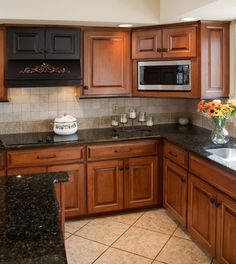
<point x="214" y="59"/>
<point x="2" y="63"/>
<point x="173" y="42"/>
<point x="107" y="64"/>
<point x="43" y="43"/>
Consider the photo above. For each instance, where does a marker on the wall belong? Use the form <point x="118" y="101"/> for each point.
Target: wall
<point x="80" y="12"/>
<point x="33" y="109"/>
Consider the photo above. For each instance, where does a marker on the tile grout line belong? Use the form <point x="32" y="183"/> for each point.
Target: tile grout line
<point x="117" y="240"/>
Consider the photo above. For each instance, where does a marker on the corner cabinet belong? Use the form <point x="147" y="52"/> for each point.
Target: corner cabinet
<point x="107" y="64"/>
<point x="173" y="42"/>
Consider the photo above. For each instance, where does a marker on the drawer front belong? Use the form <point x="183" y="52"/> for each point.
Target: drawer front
<point x="176" y="154"/>
<point x="122" y="150"/>
<point x="209" y="172"/>
<point x="44" y="156"/>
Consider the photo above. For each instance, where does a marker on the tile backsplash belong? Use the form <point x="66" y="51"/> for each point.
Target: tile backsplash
<point x="33" y="109"/>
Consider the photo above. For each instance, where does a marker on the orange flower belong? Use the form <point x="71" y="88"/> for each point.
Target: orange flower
<point x="211" y="111"/>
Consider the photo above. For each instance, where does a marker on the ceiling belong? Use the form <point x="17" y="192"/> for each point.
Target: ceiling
<point x="113" y="12"/>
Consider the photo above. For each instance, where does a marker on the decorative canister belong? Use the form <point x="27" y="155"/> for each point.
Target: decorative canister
<point x="65" y="125"/>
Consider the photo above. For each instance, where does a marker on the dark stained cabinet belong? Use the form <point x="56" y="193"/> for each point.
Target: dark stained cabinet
<point x="173" y="42"/>
<point x="140" y="181"/>
<point x="202" y="212"/>
<point x="2" y="63"/>
<point x="43" y="43"/>
<point x="175" y="190"/>
<point x="105" y="186"/>
<point x="107" y="64"/>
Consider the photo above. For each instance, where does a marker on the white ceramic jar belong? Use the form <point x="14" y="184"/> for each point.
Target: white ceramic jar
<point x="65" y="125"/>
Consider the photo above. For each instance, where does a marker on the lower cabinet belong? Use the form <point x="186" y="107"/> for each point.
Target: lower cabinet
<point x="212" y="220"/>
<point x="118" y="184"/>
<point x="140" y="181"/>
<point x="175" y="190"/>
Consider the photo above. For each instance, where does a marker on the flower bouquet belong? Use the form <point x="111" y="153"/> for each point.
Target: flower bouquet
<point x="219" y="112"/>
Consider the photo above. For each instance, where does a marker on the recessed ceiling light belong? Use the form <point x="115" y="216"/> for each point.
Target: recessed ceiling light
<point x="125" y="25"/>
<point x="189" y="19"/>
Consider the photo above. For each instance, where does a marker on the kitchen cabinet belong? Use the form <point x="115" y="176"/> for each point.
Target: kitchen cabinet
<point x="107" y="64"/>
<point x="2" y="163"/>
<point x="3" y="93"/>
<point x="122" y="175"/>
<point x="212" y="208"/>
<point x="175" y="178"/>
<point x="43" y="43"/>
<point x="173" y="42"/>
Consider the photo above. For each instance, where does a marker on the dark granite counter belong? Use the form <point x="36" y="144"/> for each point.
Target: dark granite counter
<point x="191" y="138"/>
<point x="29" y="222"/>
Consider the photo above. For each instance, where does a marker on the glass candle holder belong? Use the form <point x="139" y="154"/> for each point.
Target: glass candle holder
<point x="141" y="117"/>
<point x="132" y="114"/>
<point x="123" y="118"/>
<point x="115" y="121"/>
<point x="149" y="121"/>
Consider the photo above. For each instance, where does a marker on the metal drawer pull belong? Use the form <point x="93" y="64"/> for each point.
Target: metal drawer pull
<point x="47" y="157"/>
<point x="121" y="168"/>
<point x="212" y="200"/>
<point x="173" y="154"/>
<point x="123" y="151"/>
<point x="126" y="168"/>
<point x="217" y="204"/>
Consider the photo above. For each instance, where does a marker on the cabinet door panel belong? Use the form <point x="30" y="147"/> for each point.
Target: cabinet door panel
<point x="75" y="198"/>
<point x="145" y="44"/>
<point x="202" y="212"/>
<point x="25" y="43"/>
<point x="63" y="44"/>
<point x="226" y="230"/>
<point x="107" y="64"/>
<point x="105" y="186"/>
<point x="2" y="63"/>
<point x="179" y="42"/>
<point x="175" y="190"/>
<point x="140" y="182"/>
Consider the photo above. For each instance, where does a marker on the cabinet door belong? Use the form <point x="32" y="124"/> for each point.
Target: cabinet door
<point x="145" y="44"/>
<point x="175" y="190"/>
<point x="140" y="181"/>
<point x="214" y="60"/>
<point x="226" y="230"/>
<point x="2" y="63"/>
<point x="25" y="43"/>
<point x="105" y="186"/>
<point x="202" y="212"/>
<point x="63" y="44"/>
<point x="75" y="197"/>
<point x="60" y="195"/>
<point x="179" y="42"/>
<point x="107" y="64"/>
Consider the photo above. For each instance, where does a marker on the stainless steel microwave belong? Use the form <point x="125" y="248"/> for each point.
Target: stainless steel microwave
<point x="164" y="75"/>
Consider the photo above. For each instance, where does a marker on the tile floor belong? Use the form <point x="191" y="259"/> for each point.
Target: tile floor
<point x="144" y="237"/>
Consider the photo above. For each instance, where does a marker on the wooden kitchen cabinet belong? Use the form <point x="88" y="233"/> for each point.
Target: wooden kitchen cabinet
<point x="140" y="181"/>
<point x="3" y="93"/>
<point x="74" y="189"/>
<point x="107" y="64"/>
<point x="175" y="190"/>
<point x="173" y="42"/>
<point x="105" y="186"/>
<point x="202" y="212"/>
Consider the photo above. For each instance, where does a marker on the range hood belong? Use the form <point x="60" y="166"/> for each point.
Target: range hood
<point x="43" y="73"/>
<point x="43" y="57"/>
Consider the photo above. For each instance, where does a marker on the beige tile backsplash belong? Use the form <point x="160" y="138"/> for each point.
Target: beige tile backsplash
<point x="33" y="109"/>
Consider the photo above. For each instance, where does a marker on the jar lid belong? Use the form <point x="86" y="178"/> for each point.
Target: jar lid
<point x="65" y="118"/>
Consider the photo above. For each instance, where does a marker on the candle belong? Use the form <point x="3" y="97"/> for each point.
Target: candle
<point x="114" y="123"/>
<point x="149" y="121"/>
<point x="132" y="114"/>
<point x="142" y="117"/>
<point x="123" y="118"/>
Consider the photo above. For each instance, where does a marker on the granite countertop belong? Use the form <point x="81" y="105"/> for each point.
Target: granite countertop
<point x="29" y="221"/>
<point x="190" y="138"/>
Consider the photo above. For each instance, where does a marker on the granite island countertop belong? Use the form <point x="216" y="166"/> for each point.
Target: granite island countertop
<point x="29" y="220"/>
<point x="191" y="138"/>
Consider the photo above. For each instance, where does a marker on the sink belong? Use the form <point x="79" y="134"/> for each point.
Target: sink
<point x="227" y="154"/>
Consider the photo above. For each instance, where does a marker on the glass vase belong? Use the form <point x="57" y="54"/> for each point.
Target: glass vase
<point x="219" y="134"/>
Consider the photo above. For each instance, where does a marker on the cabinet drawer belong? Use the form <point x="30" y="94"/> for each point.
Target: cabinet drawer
<point x="176" y="154"/>
<point x="209" y="172"/>
<point x="122" y="150"/>
<point x="44" y="156"/>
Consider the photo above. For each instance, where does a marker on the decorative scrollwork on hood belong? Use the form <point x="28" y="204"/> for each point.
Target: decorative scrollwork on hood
<point x="44" y="68"/>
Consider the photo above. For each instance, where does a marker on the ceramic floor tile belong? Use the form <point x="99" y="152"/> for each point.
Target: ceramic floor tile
<point x="116" y="256"/>
<point x="82" y="251"/>
<point x="180" y="232"/>
<point x="127" y="218"/>
<point x="182" y="251"/>
<point x="67" y="235"/>
<point x="157" y="220"/>
<point x="103" y="230"/>
<point x="142" y="242"/>
<point x="74" y="225"/>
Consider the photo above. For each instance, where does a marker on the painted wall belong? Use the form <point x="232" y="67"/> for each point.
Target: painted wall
<point x="81" y="11"/>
